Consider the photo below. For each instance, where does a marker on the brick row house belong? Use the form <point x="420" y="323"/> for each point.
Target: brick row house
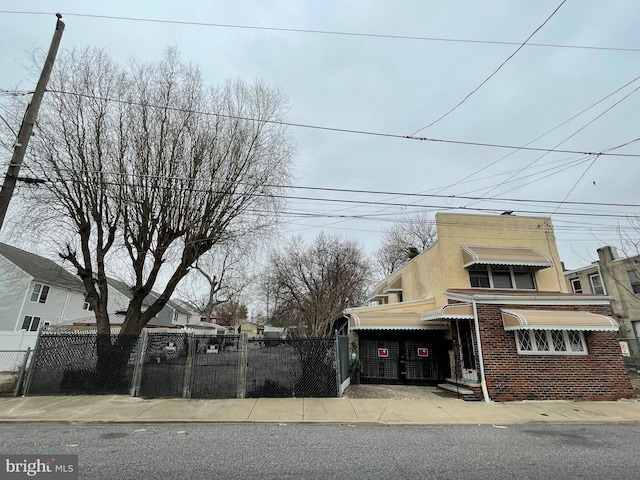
<point x="485" y="312"/>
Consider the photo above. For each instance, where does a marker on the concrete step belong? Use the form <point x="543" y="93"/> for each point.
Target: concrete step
<point x="455" y="389"/>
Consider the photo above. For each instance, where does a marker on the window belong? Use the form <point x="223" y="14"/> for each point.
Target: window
<point x="551" y="342"/>
<point x="502" y="277"/>
<point x="596" y="284"/>
<point x="30" y="324"/>
<point x="634" y="280"/>
<point x="576" y="286"/>
<point x="39" y="293"/>
<point x="87" y="306"/>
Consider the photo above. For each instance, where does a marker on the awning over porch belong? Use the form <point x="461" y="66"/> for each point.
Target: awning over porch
<point x="556" y="320"/>
<point x="513" y="256"/>
<point x="392" y="321"/>
<point x="455" y="311"/>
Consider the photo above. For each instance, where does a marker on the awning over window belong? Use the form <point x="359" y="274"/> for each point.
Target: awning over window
<point x="556" y="320"/>
<point x="456" y="311"/>
<point x="394" y="285"/>
<point x="521" y="256"/>
<point x="391" y="321"/>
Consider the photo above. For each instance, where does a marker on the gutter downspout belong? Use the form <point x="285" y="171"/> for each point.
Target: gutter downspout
<point x="483" y="383"/>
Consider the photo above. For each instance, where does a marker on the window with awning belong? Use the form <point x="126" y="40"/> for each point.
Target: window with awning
<point x="557" y="320"/>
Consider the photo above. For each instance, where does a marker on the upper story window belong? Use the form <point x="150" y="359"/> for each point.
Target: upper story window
<point x="39" y="293"/>
<point x="502" y="277"/>
<point x="596" y="284"/>
<point x="87" y="306"/>
<point x="576" y="286"/>
<point x="634" y="280"/>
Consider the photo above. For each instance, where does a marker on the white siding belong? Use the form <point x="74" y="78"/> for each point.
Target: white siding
<point x="14" y="283"/>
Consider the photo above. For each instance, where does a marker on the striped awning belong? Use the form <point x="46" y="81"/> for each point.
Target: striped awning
<point x="557" y="320"/>
<point x="391" y="321"/>
<point x="513" y="256"/>
<point x="455" y="311"/>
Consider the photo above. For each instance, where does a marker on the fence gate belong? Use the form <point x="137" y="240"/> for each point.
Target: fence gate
<point x="216" y="367"/>
<point x="408" y="359"/>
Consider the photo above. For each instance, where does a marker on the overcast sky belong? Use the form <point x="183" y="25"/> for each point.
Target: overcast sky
<point x="397" y="86"/>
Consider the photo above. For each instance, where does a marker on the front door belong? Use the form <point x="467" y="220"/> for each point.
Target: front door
<point x="467" y="352"/>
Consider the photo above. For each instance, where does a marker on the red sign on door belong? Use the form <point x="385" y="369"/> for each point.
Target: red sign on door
<point x="423" y="352"/>
<point x="383" y="352"/>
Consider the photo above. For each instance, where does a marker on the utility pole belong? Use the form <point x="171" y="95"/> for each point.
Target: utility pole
<point x="26" y="129"/>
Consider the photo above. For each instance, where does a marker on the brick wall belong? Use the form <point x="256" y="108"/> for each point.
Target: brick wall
<point x="600" y="375"/>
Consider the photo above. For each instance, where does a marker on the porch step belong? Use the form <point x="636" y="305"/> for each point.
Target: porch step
<point x="455" y="389"/>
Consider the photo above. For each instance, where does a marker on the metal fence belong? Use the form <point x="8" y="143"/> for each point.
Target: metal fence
<point x="13" y="365"/>
<point x="631" y="354"/>
<point x="177" y="364"/>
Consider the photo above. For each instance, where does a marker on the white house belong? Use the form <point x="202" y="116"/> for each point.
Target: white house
<point x="34" y="291"/>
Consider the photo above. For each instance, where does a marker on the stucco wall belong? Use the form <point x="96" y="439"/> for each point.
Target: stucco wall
<point x="441" y="267"/>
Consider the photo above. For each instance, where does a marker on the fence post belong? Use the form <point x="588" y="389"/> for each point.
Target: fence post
<point x="137" y="370"/>
<point x="337" y="363"/>
<point x="22" y="370"/>
<point x="186" y="390"/>
<point x="32" y="365"/>
<point x="242" y="370"/>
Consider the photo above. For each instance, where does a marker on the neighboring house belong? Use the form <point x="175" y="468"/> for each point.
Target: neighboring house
<point x="485" y="312"/>
<point x="618" y="277"/>
<point x="172" y="312"/>
<point x="116" y="320"/>
<point x="34" y="291"/>
<point x="252" y="330"/>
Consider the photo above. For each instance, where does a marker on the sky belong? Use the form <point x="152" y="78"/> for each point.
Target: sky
<point x="374" y="73"/>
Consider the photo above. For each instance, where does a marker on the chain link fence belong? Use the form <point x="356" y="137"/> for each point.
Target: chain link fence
<point x="13" y="364"/>
<point x="183" y="365"/>
<point x="631" y="354"/>
<point x="82" y="363"/>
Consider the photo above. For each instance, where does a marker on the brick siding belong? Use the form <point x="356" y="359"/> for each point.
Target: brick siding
<point x="600" y="375"/>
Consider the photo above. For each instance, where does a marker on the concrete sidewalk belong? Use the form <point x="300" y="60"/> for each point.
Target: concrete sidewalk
<point x="423" y="411"/>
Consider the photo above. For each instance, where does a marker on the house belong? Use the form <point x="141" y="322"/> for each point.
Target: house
<point x="89" y="324"/>
<point x="34" y="291"/>
<point x="171" y="313"/>
<point x="252" y="330"/>
<point x="616" y="276"/>
<point x="485" y="312"/>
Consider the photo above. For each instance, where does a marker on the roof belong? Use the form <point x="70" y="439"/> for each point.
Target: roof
<point x="151" y="298"/>
<point x="556" y="320"/>
<point x="489" y="255"/>
<point x="41" y="268"/>
<point x="115" y="320"/>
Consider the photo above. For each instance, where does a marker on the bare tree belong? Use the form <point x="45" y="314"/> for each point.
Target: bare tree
<point x="311" y="286"/>
<point x="403" y="241"/>
<point x="149" y="162"/>
<point x="220" y="276"/>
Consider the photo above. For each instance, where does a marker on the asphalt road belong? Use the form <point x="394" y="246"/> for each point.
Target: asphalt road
<point x="324" y="452"/>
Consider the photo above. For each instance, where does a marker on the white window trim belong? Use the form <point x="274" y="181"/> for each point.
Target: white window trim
<point x="42" y="286"/>
<point x="32" y="319"/>
<point x="535" y="351"/>
<point x="593" y="288"/>
<point x="513" y="279"/>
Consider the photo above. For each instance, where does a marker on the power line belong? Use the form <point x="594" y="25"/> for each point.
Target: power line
<point x="344" y="130"/>
<point x="493" y="73"/>
<point x="358" y="191"/>
<point x="325" y="32"/>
